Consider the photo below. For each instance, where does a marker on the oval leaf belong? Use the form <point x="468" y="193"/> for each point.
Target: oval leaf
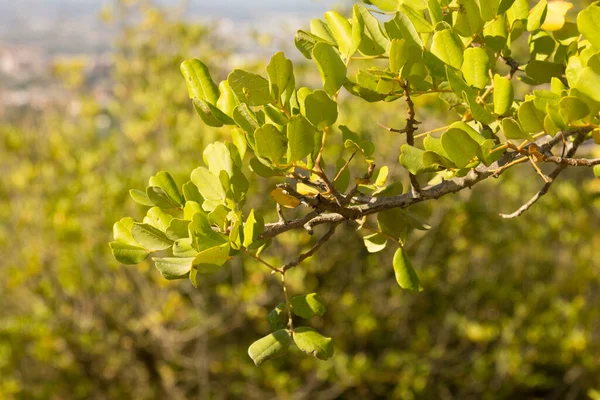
<point x="270" y="346"/>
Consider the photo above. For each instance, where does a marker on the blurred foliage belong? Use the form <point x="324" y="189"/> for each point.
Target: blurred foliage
<point x="509" y="311"/>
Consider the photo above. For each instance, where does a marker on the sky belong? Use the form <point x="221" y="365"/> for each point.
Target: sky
<point x="72" y="25"/>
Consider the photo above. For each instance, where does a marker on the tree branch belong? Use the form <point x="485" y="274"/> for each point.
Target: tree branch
<point x="336" y="214"/>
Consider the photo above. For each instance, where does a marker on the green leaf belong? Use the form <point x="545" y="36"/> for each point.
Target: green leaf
<point x="208" y="184"/>
<point x="531" y="119"/>
<point x="218" y="158"/>
<point x="211" y="259"/>
<point x="401" y="27"/>
<point x="158" y="218"/>
<point x="512" y="130"/>
<point x="245" y="118"/>
<point x="411" y="158"/>
<point x="384" y="5"/>
<point x="140" y="197"/>
<point x="495" y="34"/>
<point x="307" y="306"/>
<point x="379" y="43"/>
<point x="150" y="238"/>
<point x="301" y="138"/>
<point x="183" y="248"/>
<point x="160" y="198"/>
<point x="210" y="114"/>
<point x="127" y="253"/>
<point x="543" y="71"/>
<point x="588" y="82"/>
<point x="475" y="67"/>
<point x="277" y="317"/>
<point x="270" y="346"/>
<point x="166" y="182"/>
<point x="503" y="95"/>
<point x="457" y="84"/>
<point x="173" y="268"/>
<point x="320" y="110"/>
<point x="573" y="109"/>
<point x="202" y="234"/>
<point x="537" y="15"/>
<point x="399" y="54"/>
<point x="448" y="48"/>
<point x="468" y="20"/>
<point x="280" y="71"/>
<point x="364" y="93"/>
<point x="478" y="111"/>
<point x="227" y="101"/>
<point x="558" y="120"/>
<point x="250" y="88"/>
<point x="313" y="343"/>
<point x="319" y="28"/>
<point x="488" y="8"/>
<point x="435" y="11"/>
<point x="331" y="67"/>
<point x="191" y="193"/>
<point x="597" y="170"/>
<point x="420" y="23"/>
<point x="199" y="81"/>
<point x="405" y="274"/>
<point x="375" y="242"/>
<point x="253" y="227"/>
<point x="544" y="97"/>
<point x="122" y="231"/>
<point x="459" y="146"/>
<point x="305" y="42"/>
<point x="270" y="143"/>
<point x="588" y="22"/>
<point x="504" y="5"/>
<point x="342" y="32"/>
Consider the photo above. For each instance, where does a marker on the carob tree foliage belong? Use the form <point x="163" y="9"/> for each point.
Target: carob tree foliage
<point x="455" y="50"/>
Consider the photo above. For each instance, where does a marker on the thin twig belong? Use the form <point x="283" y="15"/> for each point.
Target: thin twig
<point x="344" y="167"/>
<point x="573" y="162"/>
<point x="553" y="175"/>
<point x="411" y="127"/>
<point x="260" y="260"/>
<point x="313" y="249"/>
<point x="287" y="304"/>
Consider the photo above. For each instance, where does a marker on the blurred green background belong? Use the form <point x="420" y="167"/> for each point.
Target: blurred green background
<point x="511" y="309"/>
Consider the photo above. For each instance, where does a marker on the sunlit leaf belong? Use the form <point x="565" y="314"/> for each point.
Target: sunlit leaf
<point x="475" y="67"/>
<point x="375" y="242"/>
<point x="199" y="81"/>
<point x="555" y="17"/>
<point x="250" y="88"/>
<point x="313" y="343"/>
<point x="270" y="346"/>
<point x="307" y="306"/>
<point x="405" y="274"/>
<point x="270" y="143"/>
<point x="332" y="68"/>
<point x="173" y="268"/>
<point x="503" y="95"/>
<point x="448" y="48"/>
